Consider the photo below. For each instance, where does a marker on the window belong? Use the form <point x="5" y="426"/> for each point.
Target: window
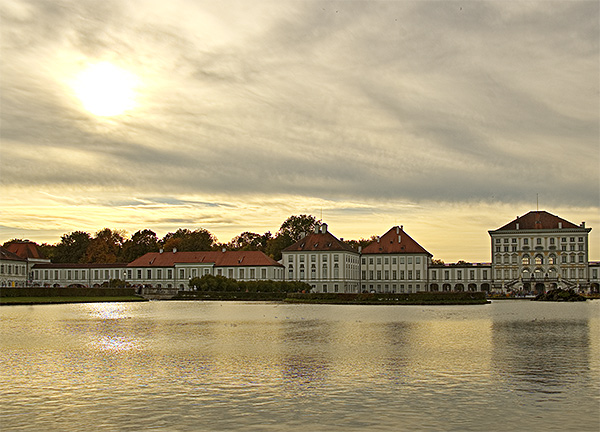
<point x="497" y="240"/>
<point x="263" y="273"/>
<point x="418" y="274"/>
<point x="402" y="274"/>
<point x="580" y="239"/>
<point x="46" y="274"/>
<point x="96" y="274"/>
<point x="252" y="274"/>
<point x="82" y="274"/>
<point x="410" y="274"/>
<point x="371" y="274"/>
<point x="301" y="271"/>
<point x="76" y="274"/>
<point x="159" y="273"/>
<point x="149" y="274"/>
<point x="324" y="258"/>
<point x="336" y="258"/>
<point x="313" y="258"/>
<point x="459" y="274"/>
<point x="129" y="274"/>
<point x="434" y="275"/>
<point x="394" y="260"/>
<point x="539" y="260"/>
<point x="514" y="240"/>
<point x="498" y="248"/>
<point x="313" y="271"/>
<point x="446" y="274"/>
<point x="387" y="260"/>
<point x="505" y="240"/>
<point x="409" y="260"/>
<point x="552" y="241"/>
<point x="378" y="274"/>
<point x="485" y="274"/>
<point x="324" y="271"/>
<point x="386" y="274"/>
<point x="301" y="258"/>
<point x="336" y="270"/>
<point x="68" y="274"/>
<point x="230" y="273"/>
<point x="364" y="274"/>
<point x="471" y="274"/>
<point x="525" y="260"/>
<point x="106" y="274"/>
<point x="241" y="273"/>
<point x="364" y="261"/>
<point x="378" y="260"/>
<point x="169" y="273"/>
<point x="418" y="260"/>
<point x="539" y="241"/>
<point x="525" y="241"/>
<point x="394" y="274"/>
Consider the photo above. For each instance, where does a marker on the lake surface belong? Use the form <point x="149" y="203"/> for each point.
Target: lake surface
<point x="222" y="366"/>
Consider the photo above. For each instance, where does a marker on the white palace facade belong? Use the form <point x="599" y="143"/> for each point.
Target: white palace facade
<point x="535" y="252"/>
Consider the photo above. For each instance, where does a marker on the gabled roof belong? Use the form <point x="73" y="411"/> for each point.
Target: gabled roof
<point x="395" y="241"/>
<point x="78" y="265"/>
<point x="538" y="220"/>
<point x="5" y="254"/>
<point x="218" y="258"/>
<point x="322" y="241"/>
<point x="25" y="249"/>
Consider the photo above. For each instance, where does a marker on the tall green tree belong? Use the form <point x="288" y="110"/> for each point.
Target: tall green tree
<point x="189" y="241"/>
<point x="105" y="247"/>
<point x="249" y="241"/>
<point x="295" y="226"/>
<point x="72" y="247"/>
<point x="140" y="243"/>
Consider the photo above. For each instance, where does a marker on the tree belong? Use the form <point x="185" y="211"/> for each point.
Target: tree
<point x="296" y="226"/>
<point x="437" y="262"/>
<point x="72" y="247"/>
<point x="141" y="242"/>
<point x="47" y="250"/>
<point x="249" y="241"/>
<point x="105" y="247"/>
<point x="189" y="241"/>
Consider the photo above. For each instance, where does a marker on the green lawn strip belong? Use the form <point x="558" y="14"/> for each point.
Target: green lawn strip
<point x="59" y="299"/>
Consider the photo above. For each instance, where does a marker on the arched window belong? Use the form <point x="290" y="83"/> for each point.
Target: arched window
<point x="539" y="260"/>
<point x="525" y="260"/>
<point x="552" y="259"/>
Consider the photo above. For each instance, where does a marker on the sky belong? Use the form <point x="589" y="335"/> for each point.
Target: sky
<point x="450" y="118"/>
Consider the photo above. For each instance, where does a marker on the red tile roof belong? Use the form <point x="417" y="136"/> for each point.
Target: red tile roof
<point x="78" y="265"/>
<point x="26" y="249"/>
<point x="537" y="220"/>
<point x="5" y="254"/>
<point x="321" y="241"/>
<point x="395" y="241"/>
<point x="218" y="258"/>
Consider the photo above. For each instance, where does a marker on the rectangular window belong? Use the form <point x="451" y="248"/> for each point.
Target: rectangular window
<point x="69" y="274"/>
<point x="446" y="274"/>
<point x="364" y="261"/>
<point x="129" y="275"/>
<point x="106" y="274"/>
<point x="252" y="274"/>
<point x="158" y="273"/>
<point x="401" y="260"/>
<point x="82" y="274"/>
<point x="220" y="272"/>
<point x="402" y="274"/>
<point x="409" y="260"/>
<point x="387" y="260"/>
<point x="263" y="273"/>
<point x="313" y="258"/>
<point x="378" y="274"/>
<point x="76" y="274"/>
<point x="336" y="258"/>
<point x="364" y="274"/>
<point x="56" y="274"/>
<point x="539" y="241"/>
<point x="230" y="273"/>
<point x="241" y="273"/>
<point x="394" y="260"/>
<point x="169" y="273"/>
<point x="471" y="274"/>
<point x="181" y="274"/>
<point x="459" y="274"/>
<point x="552" y="241"/>
<point x="149" y="274"/>
<point x="139" y="274"/>
<point x="505" y="240"/>
<point x="378" y="260"/>
<point x="96" y="275"/>
<point x="386" y="274"/>
<point x="301" y="258"/>
<point x="580" y="239"/>
<point x="410" y="274"/>
<point x="434" y="275"/>
<point x="394" y="274"/>
<point x="418" y="274"/>
<point x="485" y="274"/>
<point x="525" y="241"/>
<point x="418" y="260"/>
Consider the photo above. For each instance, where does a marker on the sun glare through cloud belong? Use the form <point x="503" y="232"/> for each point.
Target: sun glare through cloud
<point x="105" y="89"/>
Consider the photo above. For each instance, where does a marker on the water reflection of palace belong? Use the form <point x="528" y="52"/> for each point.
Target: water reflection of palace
<point x="533" y="253"/>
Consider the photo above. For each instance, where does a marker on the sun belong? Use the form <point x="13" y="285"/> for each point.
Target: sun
<point x="105" y="89"/>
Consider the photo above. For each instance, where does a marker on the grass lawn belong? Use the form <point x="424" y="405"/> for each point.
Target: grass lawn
<point x="57" y="299"/>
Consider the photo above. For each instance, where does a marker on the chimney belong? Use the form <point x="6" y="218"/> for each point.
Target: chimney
<point x="324" y="228"/>
<point x="517" y="225"/>
<point x="397" y="230"/>
<point x="560" y="225"/>
<point x="223" y="250"/>
<point x="402" y="227"/>
<point x="302" y="235"/>
<point x="341" y="239"/>
<point x="377" y="239"/>
<point x="317" y="229"/>
<point x="161" y="250"/>
<point x="359" y="249"/>
<point x="582" y="225"/>
<point x="174" y="250"/>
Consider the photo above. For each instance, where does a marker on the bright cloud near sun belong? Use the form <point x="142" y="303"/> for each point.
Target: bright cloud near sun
<point x="105" y="89"/>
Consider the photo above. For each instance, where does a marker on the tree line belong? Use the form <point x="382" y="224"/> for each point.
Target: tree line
<point x="112" y="246"/>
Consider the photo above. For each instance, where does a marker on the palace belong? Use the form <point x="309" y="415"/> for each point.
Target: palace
<point x="533" y="253"/>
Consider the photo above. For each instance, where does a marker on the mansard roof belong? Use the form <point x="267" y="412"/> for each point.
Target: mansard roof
<point x="321" y="241"/>
<point x="535" y="220"/>
<point x="395" y="241"/>
<point x="5" y="254"/>
<point x="218" y="258"/>
<point x="25" y="249"/>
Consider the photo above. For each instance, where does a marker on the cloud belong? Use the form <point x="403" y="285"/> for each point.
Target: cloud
<point x="355" y="101"/>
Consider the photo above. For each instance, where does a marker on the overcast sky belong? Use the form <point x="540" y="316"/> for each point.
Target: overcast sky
<point x="447" y="117"/>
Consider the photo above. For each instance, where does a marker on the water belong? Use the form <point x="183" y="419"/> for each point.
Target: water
<point x="213" y="366"/>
